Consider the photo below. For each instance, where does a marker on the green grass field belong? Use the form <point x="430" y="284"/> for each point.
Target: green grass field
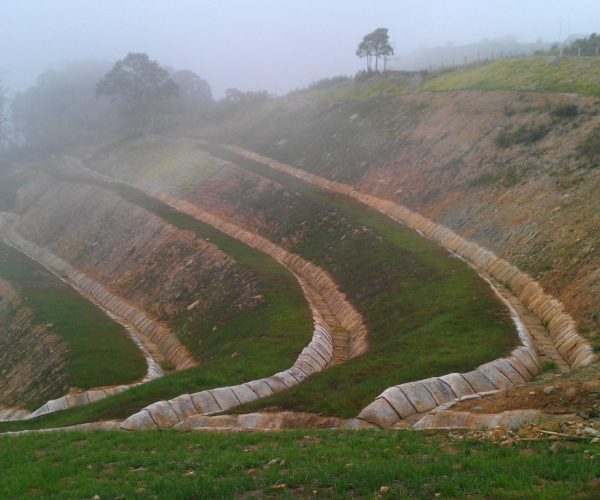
<point x="427" y="312"/>
<point x="99" y="350"/>
<point x="580" y="75"/>
<point x="290" y="464"/>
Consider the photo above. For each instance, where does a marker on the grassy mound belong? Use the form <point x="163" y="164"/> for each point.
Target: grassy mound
<point x="580" y="75"/>
<point x="392" y="464"/>
<point x="99" y="350"/>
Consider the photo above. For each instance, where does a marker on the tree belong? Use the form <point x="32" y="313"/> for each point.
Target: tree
<point x="376" y="44"/>
<point x="60" y="111"/>
<point x="136" y="83"/>
<point x="249" y="97"/>
<point x="193" y="90"/>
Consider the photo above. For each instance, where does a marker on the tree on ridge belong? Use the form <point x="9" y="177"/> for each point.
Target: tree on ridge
<point x="375" y="44"/>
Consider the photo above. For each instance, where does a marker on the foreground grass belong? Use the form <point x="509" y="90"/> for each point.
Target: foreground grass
<point x="284" y="464"/>
<point x="579" y="75"/>
<point x="246" y="345"/>
<point x="99" y="350"/>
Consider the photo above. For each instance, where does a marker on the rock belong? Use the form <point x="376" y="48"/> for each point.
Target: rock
<point x="556" y="447"/>
<point x="507" y="443"/>
<point x="549" y="390"/>
<point x="591" y="432"/>
<point x="193" y="305"/>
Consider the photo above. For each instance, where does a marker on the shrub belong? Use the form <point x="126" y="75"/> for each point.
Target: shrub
<point x="522" y="135"/>
<point x="565" y="111"/>
<point x="327" y="83"/>
<point x="508" y="111"/>
<point x="590" y="147"/>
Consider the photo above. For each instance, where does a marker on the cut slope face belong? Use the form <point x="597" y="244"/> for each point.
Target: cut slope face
<point x="407" y="399"/>
<point x="32" y="359"/>
<point x="85" y="348"/>
<point x="237" y="344"/>
<point x="512" y="171"/>
<point x="398" y="281"/>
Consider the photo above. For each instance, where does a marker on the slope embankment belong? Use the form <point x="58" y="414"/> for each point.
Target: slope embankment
<point x="32" y="357"/>
<point x="409" y="399"/>
<point x="399" y="281"/>
<point x="514" y="171"/>
<point x="561" y="326"/>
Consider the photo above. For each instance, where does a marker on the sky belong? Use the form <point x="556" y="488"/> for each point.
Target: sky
<point x="262" y="44"/>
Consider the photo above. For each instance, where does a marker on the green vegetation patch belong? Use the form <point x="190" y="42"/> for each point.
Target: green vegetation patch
<point x="331" y="464"/>
<point x="427" y="312"/>
<point x="565" y="111"/>
<point x="580" y="75"/>
<point x="589" y="149"/>
<point x="99" y="350"/>
<point x="525" y="134"/>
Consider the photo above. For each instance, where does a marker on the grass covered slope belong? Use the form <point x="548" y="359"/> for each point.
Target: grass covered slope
<point x="98" y="352"/>
<point x="512" y="164"/>
<point x="427" y="313"/>
<point x="579" y="75"/>
<point x="283" y="464"/>
<point x="232" y="345"/>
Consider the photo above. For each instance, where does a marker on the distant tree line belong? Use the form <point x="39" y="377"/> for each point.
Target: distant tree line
<point x="92" y="102"/>
<point x="586" y="46"/>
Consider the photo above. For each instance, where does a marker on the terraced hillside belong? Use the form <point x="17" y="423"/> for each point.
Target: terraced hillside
<point x="420" y="304"/>
<point x="247" y="241"/>
<point x="264" y="312"/>
<point x="498" y="153"/>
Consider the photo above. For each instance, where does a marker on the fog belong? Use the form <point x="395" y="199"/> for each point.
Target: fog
<point x="274" y="45"/>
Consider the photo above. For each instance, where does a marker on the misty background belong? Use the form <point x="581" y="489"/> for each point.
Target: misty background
<point x="272" y="45"/>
